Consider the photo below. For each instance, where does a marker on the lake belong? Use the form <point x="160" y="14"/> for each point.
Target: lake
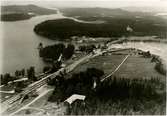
<point x="19" y="44"/>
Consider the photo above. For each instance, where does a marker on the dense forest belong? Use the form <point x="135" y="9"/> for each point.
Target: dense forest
<point x="63" y="29"/>
<point x="53" y="52"/>
<point x="79" y="83"/>
<point x="120" y="88"/>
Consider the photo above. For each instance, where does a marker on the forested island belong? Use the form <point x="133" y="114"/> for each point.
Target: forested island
<point x="116" y="27"/>
<point x="22" y="12"/>
<point x="115" y="22"/>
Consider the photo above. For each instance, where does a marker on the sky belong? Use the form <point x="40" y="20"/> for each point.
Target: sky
<point x="92" y="3"/>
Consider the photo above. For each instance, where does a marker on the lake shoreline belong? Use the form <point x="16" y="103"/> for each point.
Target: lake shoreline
<point x="148" y="40"/>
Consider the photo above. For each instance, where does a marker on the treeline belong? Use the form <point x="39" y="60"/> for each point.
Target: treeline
<point x="87" y="48"/>
<point x="29" y="73"/>
<point x="20" y="73"/>
<point x="63" y="29"/>
<point x="122" y="88"/>
<point x="53" y="68"/>
<point x="54" y="51"/>
<point x="4" y="79"/>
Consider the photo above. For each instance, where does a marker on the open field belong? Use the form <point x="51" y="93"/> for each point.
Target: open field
<point x="107" y="63"/>
<point x="138" y="67"/>
<point x="135" y="66"/>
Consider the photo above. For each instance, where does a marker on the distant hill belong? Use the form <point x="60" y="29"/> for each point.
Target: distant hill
<point x="22" y="12"/>
<point x="101" y="12"/>
<point x="15" y="16"/>
<point x="94" y="14"/>
<point x="86" y="12"/>
<point x="145" y="9"/>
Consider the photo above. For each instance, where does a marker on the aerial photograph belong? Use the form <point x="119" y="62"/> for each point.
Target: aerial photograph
<point x="83" y="57"/>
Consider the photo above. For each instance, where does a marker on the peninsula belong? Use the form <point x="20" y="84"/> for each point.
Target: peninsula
<point x="115" y="22"/>
<point x="22" y="12"/>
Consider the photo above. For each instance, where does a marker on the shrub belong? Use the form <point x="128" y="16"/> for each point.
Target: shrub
<point x="160" y="68"/>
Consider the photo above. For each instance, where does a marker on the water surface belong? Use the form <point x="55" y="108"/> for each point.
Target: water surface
<point x="19" y="44"/>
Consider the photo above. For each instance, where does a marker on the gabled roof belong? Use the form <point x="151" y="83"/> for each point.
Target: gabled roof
<point x="74" y="97"/>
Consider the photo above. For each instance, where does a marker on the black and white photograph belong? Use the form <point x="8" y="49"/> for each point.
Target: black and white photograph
<point x="83" y="57"/>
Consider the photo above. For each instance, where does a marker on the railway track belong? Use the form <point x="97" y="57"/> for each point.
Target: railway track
<point x="32" y="87"/>
<point x="8" y="103"/>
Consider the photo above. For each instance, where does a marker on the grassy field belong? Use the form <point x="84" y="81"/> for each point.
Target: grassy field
<point x="138" y="67"/>
<point x="135" y="66"/>
<point x="107" y="63"/>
